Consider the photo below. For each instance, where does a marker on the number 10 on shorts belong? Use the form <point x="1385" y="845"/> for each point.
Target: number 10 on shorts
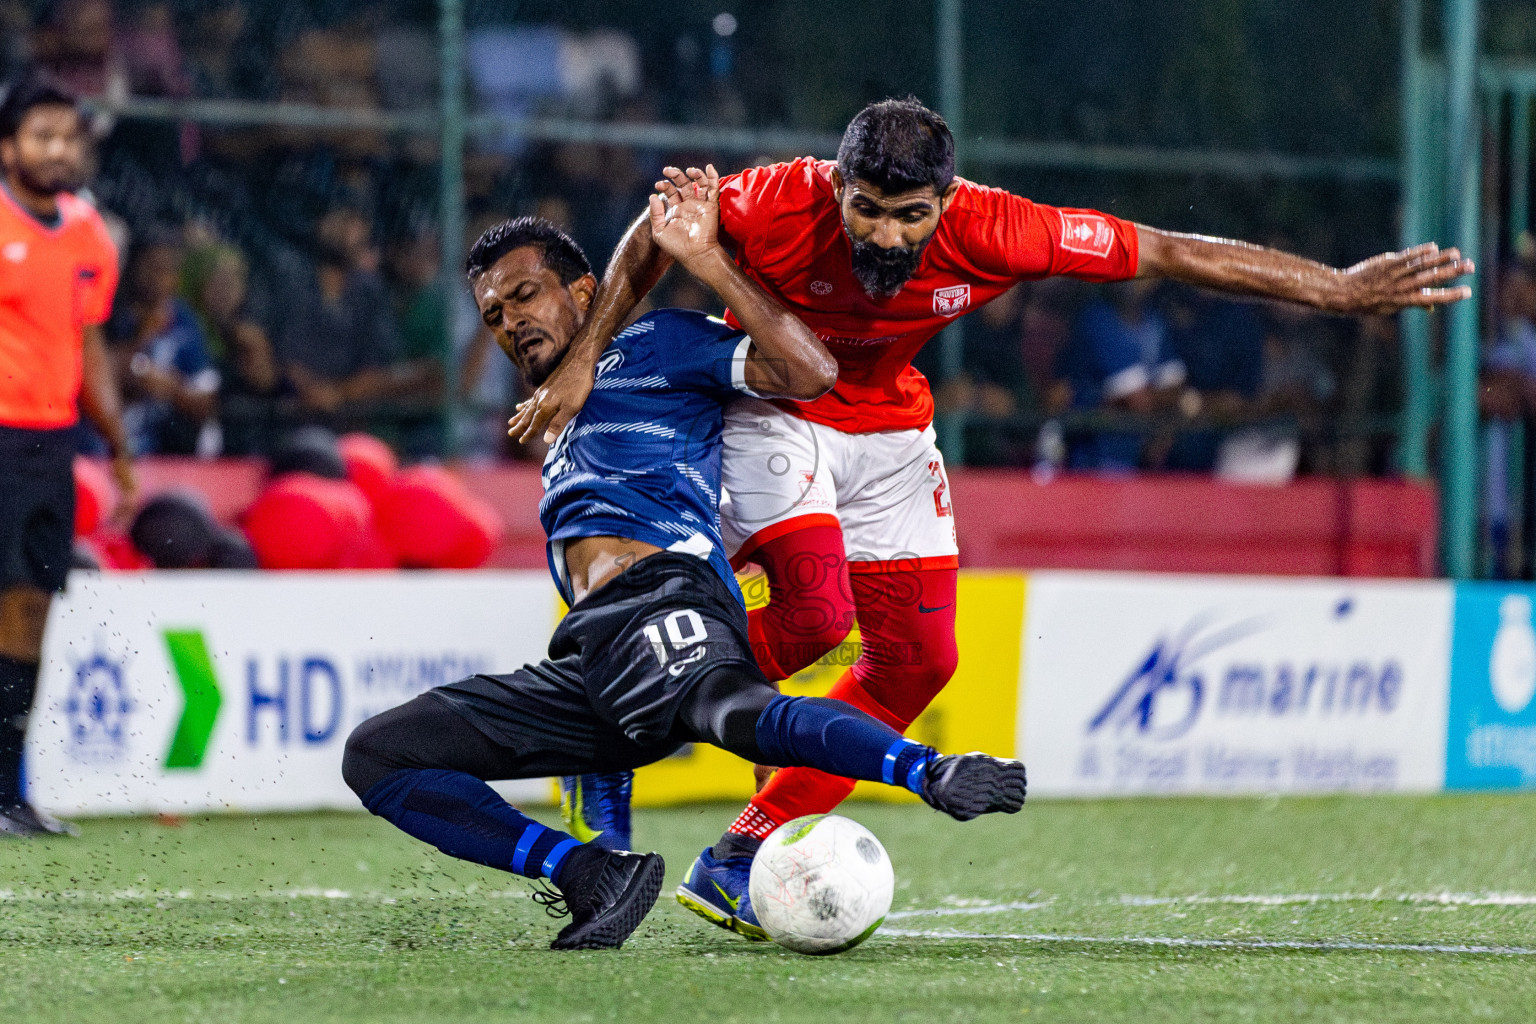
<point x="684" y="628"/>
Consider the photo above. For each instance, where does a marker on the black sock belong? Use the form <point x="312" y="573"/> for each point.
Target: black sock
<point x="18" y="685"/>
<point x="733" y="845"/>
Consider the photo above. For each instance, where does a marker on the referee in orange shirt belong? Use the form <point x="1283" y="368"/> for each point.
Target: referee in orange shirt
<point x="58" y="271"/>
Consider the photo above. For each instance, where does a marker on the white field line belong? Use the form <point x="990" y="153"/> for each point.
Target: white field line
<point x="984" y="908"/>
<point x="1456" y="899"/>
<point x="1234" y="944"/>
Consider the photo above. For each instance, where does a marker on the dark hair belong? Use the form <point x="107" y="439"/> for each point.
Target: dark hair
<point x="560" y="251"/>
<point x="312" y="449"/>
<point x="898" y="146"/>
<point x="155" y="236"/>
<point x="33" y="89"/>
<point x="176" y="530"/>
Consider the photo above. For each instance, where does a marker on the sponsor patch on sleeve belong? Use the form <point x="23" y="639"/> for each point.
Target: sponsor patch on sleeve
<point x="1086" y="233"/>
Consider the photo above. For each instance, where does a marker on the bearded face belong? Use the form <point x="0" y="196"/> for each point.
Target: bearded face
<point x="888" y="231"/>
<point x="883" y="272"/>
<point x="47" y="154"/>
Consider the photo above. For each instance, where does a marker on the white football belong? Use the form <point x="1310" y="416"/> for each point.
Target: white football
<point x="821" y="884"/>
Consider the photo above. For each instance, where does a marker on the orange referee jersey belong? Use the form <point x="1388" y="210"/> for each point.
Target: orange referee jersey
<point x="53" y="283"/>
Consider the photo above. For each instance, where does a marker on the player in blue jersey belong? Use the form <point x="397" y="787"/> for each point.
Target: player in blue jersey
<point x="654" y="651"/>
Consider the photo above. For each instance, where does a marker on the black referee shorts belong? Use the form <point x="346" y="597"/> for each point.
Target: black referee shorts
<point x="37" y="507"/>
<point x="620" y="664"/>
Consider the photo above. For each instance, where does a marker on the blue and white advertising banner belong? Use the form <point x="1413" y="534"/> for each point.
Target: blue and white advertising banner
<point x="1491" y="742"/>
<point x="1164" y="684"/>
<point x="211" y="691"/>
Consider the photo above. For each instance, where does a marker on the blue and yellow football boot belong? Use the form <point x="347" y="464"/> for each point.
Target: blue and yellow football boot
<point x="595" y="808"/>
<point x="716" y="890"/>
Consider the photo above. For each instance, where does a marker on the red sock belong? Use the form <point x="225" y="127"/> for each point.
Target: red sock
<point x="810" y="603"/>
<point x="908" y="656"/>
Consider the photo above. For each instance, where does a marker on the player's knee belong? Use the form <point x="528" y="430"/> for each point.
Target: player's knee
<point x="920" y="681"/>
<point x="23" y="617"/>
<point x="903" y="679"/>
<point x="367" y="759"/>
<point x="940" y="662"/>
<point x="724" y="707"/>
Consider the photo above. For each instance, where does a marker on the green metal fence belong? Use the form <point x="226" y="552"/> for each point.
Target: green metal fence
<point x="1460" y="110"/>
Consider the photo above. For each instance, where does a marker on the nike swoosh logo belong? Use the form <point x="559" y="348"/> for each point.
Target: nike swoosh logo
<point x="695" y="655"/>
<point x="925" y="609"/>
<point x="732" y="903"/>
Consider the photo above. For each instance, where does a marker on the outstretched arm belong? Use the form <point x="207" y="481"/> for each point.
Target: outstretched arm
<point x="1383" y="284"/>
<point x="785" y="359"/>
<point x="636" y="266"/>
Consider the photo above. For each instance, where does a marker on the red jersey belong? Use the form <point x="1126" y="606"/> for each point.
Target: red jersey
<point x="53" y="283"/>
<point x="787" y="231"/>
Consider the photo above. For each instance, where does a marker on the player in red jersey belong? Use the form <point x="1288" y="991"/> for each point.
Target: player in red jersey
<point x="843" y="501"/>
<point x="58" y="270"/>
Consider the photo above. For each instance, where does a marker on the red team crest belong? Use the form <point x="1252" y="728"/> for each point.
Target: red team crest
<point x="1087" y="233"/>
<point x="951" y="301"/>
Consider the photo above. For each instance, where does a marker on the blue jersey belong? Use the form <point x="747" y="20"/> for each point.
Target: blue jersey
<point x="642" y="458"/>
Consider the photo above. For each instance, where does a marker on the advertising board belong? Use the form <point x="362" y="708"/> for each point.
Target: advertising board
<point x="1159" y="684"/>
<point x="1491" y="738"/>
<point x="212" y="691"/>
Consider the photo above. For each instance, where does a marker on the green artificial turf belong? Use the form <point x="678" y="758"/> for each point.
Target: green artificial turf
<point x="336" y="917"/>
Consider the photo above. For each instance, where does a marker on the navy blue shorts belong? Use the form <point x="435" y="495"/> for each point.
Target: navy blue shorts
<point x="37" y="507"/>
<point x="619" y="666"/>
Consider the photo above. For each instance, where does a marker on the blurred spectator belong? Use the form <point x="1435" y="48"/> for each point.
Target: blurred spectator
<point x="348" y="230"/>
<point x="15" y="38"/>
<point x="78" y="45"/>
<point x="215" y="282"/>
<point x="222" y="60"/>
<point x="339" y="341"/>
<point x="415" y="275"/>
<point x="1299" y="382"/>
<point x="990" y="381"/>
<point x="1119" y="359"/>
<point x="152" y="55"/>
<point x="409" y="67"/>
<point x="1508" y="390"/>
<point x="1507" y="396"/>
<point x="517" y="71"/>
<point x="994" y="352"/>
<point x="334" y="67"/>
<point x="418" y="301"/>
<point x="604" y="186"/>
<point x="169" y="381"/>
<point x="1045" y="328"/>
<point x="1370" y="399"/>
<point x="1221" y="345"/>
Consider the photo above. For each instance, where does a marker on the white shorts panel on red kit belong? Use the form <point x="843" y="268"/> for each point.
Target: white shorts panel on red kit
<point x="887" y="490"/>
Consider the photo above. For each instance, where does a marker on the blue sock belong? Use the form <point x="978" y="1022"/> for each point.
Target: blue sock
<point x="463" y="817"/>
<point x="839" y="739"/>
